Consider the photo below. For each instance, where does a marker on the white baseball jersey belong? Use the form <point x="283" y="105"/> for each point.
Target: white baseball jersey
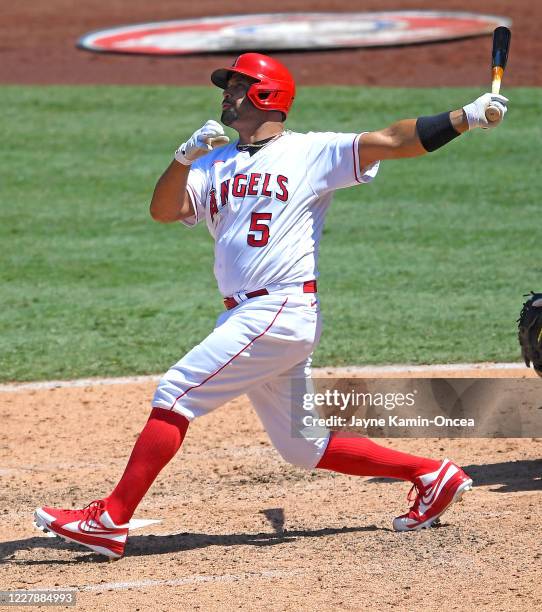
<point x="266" y="211"/>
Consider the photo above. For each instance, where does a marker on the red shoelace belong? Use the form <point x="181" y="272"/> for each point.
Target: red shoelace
<point x="419" y="490"/>
<point x="91" y="515"/>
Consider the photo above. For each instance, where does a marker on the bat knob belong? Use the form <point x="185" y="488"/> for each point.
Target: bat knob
<point x="493" y="114"/>
<point x="217" y="141"/>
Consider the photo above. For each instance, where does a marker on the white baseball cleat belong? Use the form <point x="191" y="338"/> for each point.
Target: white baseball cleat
<point x="436" y="492"/>
<point x="91" y="527"/>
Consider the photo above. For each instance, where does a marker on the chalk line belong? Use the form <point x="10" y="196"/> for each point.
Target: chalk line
<point x="371" y="370"/>
<point x="194" y="579"/>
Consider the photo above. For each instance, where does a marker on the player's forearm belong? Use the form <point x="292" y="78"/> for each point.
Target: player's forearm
<point x="409" y="139"/>
<point x="170" y="201"/>
<point x="397" y="141"/>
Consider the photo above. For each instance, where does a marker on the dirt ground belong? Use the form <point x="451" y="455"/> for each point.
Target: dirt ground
<point x="240" y="529"/>
<point x="37" y="45"/>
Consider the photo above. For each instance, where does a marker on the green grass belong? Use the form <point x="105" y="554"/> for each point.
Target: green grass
<point x="428" y="264"/>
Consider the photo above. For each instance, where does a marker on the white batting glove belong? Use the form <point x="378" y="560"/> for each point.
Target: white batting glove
<point x="476" y="111"/>
<point x="208" y="137"/>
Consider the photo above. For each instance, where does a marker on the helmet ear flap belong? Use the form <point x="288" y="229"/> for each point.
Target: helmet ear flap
<point x="270" y="97"/>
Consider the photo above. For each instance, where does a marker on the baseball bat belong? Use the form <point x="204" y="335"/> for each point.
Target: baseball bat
<point x="499" y="57"/>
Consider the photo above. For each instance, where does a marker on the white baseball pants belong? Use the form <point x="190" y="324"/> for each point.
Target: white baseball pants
<point x="261" y="347"/>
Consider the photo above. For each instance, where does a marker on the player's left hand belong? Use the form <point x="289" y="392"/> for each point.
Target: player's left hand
<point x="476" y="111"/>
<point x="202" y="141"/>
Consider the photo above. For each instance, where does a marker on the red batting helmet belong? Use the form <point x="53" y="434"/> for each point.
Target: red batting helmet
<point x="274" y="88"/>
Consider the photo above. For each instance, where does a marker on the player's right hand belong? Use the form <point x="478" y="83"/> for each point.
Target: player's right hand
<point x="208" y="137"/>
<point x="476" y="111"/>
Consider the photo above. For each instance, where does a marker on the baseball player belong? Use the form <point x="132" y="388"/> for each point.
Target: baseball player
<point x="264" y="199"/>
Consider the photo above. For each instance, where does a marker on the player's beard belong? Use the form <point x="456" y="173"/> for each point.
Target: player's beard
<point x="229" y="115"/>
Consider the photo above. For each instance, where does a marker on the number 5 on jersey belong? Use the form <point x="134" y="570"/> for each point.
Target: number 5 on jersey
<point x="258" y="235"/>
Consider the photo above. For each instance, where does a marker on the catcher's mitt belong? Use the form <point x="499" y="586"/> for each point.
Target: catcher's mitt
<point x="530" y="331"/>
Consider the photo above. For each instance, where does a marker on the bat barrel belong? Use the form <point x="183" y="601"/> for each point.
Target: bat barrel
<point x="501" y="45"/>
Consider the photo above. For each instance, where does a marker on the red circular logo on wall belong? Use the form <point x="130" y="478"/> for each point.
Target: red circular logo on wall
<point x="288" y="31"/>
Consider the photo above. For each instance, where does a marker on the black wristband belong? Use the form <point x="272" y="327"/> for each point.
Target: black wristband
<point x="435" y="131"/>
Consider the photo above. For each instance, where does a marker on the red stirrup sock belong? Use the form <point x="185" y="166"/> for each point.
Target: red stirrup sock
<point x="157" y="444"/>
<point x="362" y="457"/>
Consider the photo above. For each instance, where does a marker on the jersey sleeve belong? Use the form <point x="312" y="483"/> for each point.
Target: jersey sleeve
<point x="197" y="187"/>
<point x="334" y="162"/>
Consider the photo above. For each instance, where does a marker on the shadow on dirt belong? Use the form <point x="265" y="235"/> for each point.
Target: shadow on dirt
<point x="152" y="545"/>
<point x="158" y="545"/>
<point x="524" y="475"/>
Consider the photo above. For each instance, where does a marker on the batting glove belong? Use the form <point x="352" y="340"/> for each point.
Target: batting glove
<point x="202" y="141"/>
<point x="476" y="111"/>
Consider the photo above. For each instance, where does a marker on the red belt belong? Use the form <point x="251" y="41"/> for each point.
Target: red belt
<point x="231" y="302"/>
